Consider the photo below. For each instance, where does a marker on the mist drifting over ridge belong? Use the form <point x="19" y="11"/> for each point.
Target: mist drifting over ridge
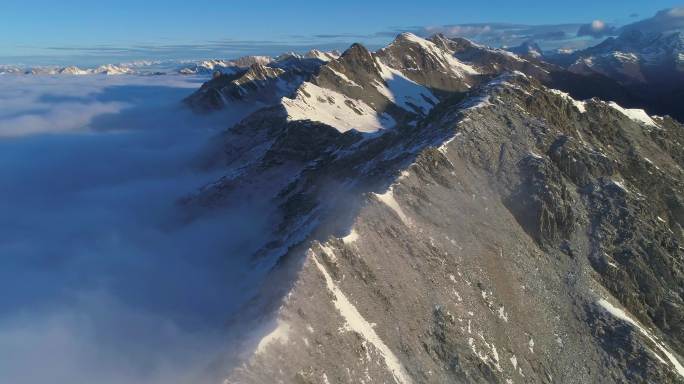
<point x="110" y="282"/>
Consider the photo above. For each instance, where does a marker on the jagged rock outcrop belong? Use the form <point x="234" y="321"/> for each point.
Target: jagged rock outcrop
<point x="259" y="85"/>
<point x="428" y="63"/>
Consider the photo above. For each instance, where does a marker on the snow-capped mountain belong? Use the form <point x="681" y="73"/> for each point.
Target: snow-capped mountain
<point x="398" y="83"/>
<point x="244" y="90"/>
<point x="192" y="67"/>
<point x="107" y="69"/>
<point x="635" y="57"/>
<point x="223" y="66"/>
<point x="323" y="56"/>
<point x="649" y="67"/>
<point x="10" y="70"/>
<point x="73" y="70"/>
<point x="442" y="213"/>
<point x="111" y="69"/>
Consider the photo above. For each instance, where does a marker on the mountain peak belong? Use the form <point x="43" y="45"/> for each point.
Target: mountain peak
<point x="455" y="44"/>
<point x="440" y="40"/>
<point x="413" y="39"/>
<point x="408" y="36"/>
<point x="323" y="56"/>
<point x="355" y="50"/>
<point x="288" y="56"/>
<point x="259" y="71"/>
<point x="357" y="56"/>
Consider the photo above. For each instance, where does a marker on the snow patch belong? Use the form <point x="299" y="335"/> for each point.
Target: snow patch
<point x="458" y="67"/>
<point x="351" y="237"/>
<point x="488" y="358"/>
<point x="514" y="362"/>
<point x="329" y="253"/>
<point x="405" y="92"/>
<point x="502" y="314"/>
<point x="535" y="155"/>
<point x="323" y="56"/>
<point x="622" y="315"/>
<point x="625" y="57"/>
<point x="443" y="148"/>
<point x="335" y="109"/>
<point x="477" y="103"/>
<point x="356" y="323"/>
<point x="619" y="184"/>
<point x="638" y="115"/>
<point x="580" y="105"/>
<point x="521" y="74"/>
<point x="344" y="77"/>
<point x="278" y="335"/>
<point x="388" y="199"/>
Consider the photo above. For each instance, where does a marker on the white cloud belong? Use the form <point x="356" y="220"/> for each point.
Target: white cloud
<point x="69" y="117"/>
<point x="598" y="25"/>
<point x="676" y="12"/>
<point x="597" y="29"/>
<point x="460" y="30"/>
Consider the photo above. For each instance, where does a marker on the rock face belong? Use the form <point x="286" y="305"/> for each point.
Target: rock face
<point x="499" y="231"/>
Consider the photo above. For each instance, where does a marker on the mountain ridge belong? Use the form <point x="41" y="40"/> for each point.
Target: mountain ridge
<point x="484" y="238"/>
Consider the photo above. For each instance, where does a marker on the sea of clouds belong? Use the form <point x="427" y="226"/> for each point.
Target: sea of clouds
<point x="105" y="278"/>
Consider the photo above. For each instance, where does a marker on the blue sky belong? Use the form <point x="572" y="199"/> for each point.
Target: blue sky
<point x="45" y="29"/>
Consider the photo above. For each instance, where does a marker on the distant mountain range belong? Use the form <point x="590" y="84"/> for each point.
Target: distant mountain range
<point x="649" y="65"/>
<point x="183" y="67"/>
<point x="637" y="69"/>
<point x="635" y="57"/>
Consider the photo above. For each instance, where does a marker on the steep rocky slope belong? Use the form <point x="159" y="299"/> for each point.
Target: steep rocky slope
<point x="440" y="215"/>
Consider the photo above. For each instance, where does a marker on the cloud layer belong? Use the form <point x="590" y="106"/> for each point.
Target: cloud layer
<point x="105" y="278"/>
<point x="597" y="29"/>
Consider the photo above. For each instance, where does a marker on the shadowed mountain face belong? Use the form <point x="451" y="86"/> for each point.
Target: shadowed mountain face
<point x="649" y="65"/>
<point x="528" y="49"/>
<point x="442" y="214"/>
